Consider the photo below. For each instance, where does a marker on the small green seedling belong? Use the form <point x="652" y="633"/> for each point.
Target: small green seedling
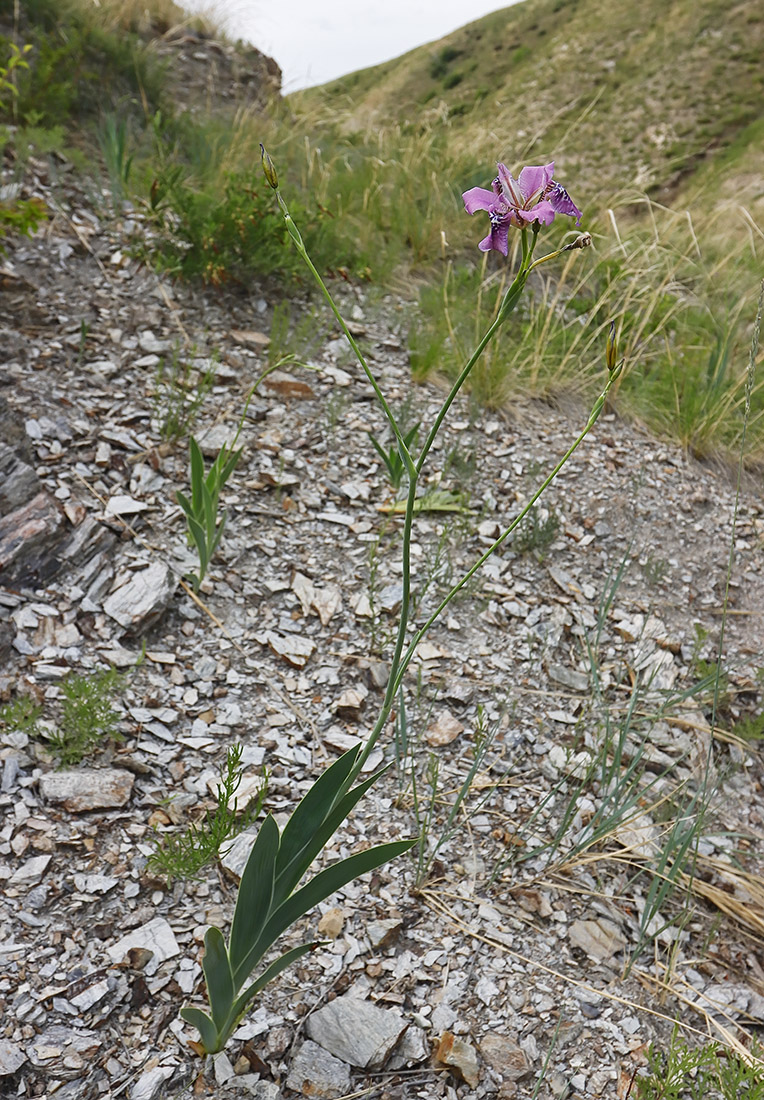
<point x="392" y="458"/>
<point x="204" y="529"/>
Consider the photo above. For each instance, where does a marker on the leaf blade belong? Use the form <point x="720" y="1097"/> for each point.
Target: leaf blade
<point x="255" y="895"/>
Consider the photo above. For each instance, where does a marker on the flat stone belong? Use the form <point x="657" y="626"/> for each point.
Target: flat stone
<point x="235" y="859"/>
<point x="293" y="648"/>
<point x="327" y="601"/>
<point x="32" y="526"/>
<point x="30" y="872"/>
<point x="95" y="884"/>
<point x="150" y="1086"/>
<point x="459" y="1056"/>
<point x="444" y="729"/>
<point x="218" y="436"/>
<point x="156" y="936"/>
<point x="351" y="703"/>
<point x="18" y="481"/>
<point x="315" y="1072"/>
<point x="600" y="938"/>
<point x="58" y="1041"/>
<point x="88" y="788"/>
<point x="286" y="385"/>
<point x="382" y="933"/>
<point x="12" y="1058"/>
<point x="505" y="1056"/>
<point x="356" y="1031"/>
<point x="141" y="596"/>
<point x="122" y="505"/>
<point x="568" y="677"/>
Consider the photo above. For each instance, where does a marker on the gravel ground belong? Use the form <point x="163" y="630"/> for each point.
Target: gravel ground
<point x="589" y="629"/>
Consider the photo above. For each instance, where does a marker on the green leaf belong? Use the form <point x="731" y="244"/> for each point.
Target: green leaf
<point x="184" y="502"/>
<point x="218" y="535"/>
<point x="291" y="875"/>
<point x="253" y="902"/>
<point x="326" y="882"/>
<point x="209" y="512"/>
<point x="200" y="541"/>
<point x="379" y="449"/>
<point x="313" y="810"/>
<point x="319" y="888"/>
<point x="217" y="974"/>
<point x="197" y="477"/>
<point x="271" y="972"/>
<point x="211" y="1040"/>
<point x="228" y="468"/>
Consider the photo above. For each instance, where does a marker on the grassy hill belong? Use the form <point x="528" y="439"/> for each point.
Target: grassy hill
<point x="621" y="95"/>
<point x="651" y="112"/>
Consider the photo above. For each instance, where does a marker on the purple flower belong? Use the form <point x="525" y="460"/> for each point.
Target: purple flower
<point x="533" y="197"/>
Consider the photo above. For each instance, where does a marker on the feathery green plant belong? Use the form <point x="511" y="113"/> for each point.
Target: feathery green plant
<point x="183" y="855"/>
<point x="708" y="1072"/>
<point x="88" y="717"/>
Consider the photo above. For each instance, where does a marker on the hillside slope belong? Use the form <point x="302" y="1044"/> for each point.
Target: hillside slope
<point x="621" y="95"/>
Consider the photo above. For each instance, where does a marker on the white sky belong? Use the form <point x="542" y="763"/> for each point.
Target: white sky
<point x="316" y="40"/>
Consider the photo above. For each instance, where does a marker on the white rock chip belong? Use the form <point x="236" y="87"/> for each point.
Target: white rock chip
<point x="156" y="936"/>
<point x="12" y="1057"/>
<point x="314" y="1072"/>
<point x="140" y="596"/>
<point x="600" y="939"/>
<point x="149" y="1085"/>
<point x="30" y="872"/>
<point x="356" y="1031"/>
<point x="88" y="788"/>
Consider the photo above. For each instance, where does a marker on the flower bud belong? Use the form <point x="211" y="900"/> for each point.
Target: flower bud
<point x="269" y="169"/>
<point x="611" y="349"/>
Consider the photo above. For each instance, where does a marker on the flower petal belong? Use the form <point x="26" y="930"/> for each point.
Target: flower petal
<point x="542" y="212"/>
<point x="562" y="202"/>
<point x="508" y="186"/>
<point x="535" y="179"/>
<point x="477" y="198"/>
<point x="497" y="239"/>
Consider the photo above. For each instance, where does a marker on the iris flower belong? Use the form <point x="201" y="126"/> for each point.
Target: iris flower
<point x="533" y="197"/>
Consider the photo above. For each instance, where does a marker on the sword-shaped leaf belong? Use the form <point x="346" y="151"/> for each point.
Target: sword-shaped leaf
<point x="197" y="476"/>
<point x="310" y="814"/>
<point x="253" y="902"/>
<point x="211" y="1040"/>
<point x="287" y="879"/>
<point x="323" y="884"/>
<point x="271" y="972"/>
<point x="218" y="976"/>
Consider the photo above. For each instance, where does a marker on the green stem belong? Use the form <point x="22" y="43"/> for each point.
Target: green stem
<point x="593" y="417"/>
<point x="299" y="245"/>
<point x="511" y="299"/>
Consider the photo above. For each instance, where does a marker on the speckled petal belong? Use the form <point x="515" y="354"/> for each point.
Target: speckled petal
<point x="562" y="203"/>
<point x="497" y="239"/>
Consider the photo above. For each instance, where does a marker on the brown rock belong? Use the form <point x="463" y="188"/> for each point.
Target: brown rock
<point x="459" y="1056"/>
<point x="445" y="729"/>
<point x="286" y="385"/>
<point x="504" y="1055"/>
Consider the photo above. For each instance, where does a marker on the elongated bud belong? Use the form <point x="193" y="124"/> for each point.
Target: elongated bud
<point x="269" y="169"/>
<point x="611" y="349"/>
<point x="583" y="240"/>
